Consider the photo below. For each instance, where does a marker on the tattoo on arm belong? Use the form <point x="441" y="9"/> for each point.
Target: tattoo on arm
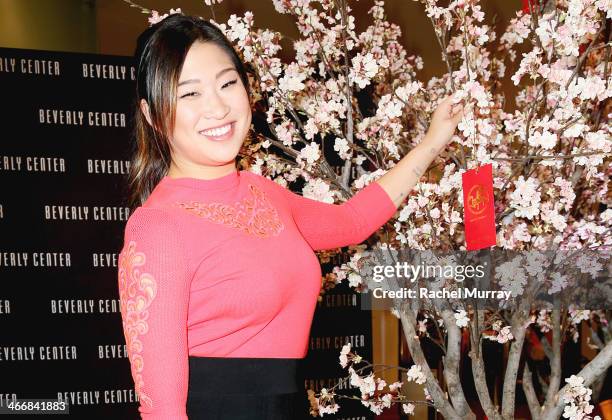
<point x="400" y="197"/>
<point x="418" y="171"/>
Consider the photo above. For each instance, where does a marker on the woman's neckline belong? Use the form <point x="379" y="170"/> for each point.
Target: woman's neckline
<point x="228" y="181"/>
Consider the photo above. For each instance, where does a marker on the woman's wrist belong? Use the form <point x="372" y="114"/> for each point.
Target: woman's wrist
<point x="434" y="143"/>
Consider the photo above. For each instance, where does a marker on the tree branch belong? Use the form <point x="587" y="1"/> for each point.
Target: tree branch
<point x="440" y="401"/>
<point x="555" y="362"/>
<point x="451" y="363"/>
<point x="589" y="373"/>
<point x="532" y="399"/>
<point x="478" y="369"/>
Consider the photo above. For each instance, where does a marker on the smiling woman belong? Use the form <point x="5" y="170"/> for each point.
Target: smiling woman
<point x="203" y="336"/>
<point x="189" y="79"/>
<point x="213" y="115"/>
<point x="218" y="279"/>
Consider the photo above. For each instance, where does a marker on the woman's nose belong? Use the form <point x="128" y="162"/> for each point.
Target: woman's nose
<point x="215" y="107"/>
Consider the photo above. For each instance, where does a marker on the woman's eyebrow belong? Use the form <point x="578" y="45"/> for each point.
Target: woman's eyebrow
<point x="219" y="74"/>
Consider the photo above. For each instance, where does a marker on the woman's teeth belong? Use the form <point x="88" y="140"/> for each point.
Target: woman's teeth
<point x="215" y="132"/>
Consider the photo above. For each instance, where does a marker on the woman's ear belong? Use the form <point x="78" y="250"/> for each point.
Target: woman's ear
<point x="144" y="107"/>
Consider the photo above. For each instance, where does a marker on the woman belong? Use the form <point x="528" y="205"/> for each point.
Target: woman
<point x="217" y="276"/>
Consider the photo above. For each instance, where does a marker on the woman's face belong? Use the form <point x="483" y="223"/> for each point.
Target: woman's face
<point x="210" y="95"/>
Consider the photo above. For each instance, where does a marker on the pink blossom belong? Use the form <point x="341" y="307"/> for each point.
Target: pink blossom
<point x="525" y="199"/>
<point x="156" y="17"/>
<point x="408" y="408"/>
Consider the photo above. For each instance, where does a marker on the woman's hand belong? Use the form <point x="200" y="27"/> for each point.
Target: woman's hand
<point x="444" y="121"/>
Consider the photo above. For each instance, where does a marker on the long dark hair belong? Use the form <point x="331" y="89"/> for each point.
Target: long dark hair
<point x="160" y="53"/>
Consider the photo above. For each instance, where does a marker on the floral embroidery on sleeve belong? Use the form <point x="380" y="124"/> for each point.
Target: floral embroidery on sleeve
<point x="253" y="215"/>
<point x="136" y="292"/>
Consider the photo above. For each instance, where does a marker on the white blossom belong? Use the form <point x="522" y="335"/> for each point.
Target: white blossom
<point x="461" y="319"/>
<point x="408" y="408"/>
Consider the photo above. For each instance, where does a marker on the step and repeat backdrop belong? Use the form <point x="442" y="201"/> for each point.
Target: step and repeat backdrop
<point x="64" y="154"/>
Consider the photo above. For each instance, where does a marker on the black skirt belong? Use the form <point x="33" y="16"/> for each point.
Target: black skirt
<point x="246" y="389"/>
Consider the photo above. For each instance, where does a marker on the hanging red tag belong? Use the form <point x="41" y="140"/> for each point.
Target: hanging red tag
<point x="478" y="208"/>
<point x="534" y="4"/>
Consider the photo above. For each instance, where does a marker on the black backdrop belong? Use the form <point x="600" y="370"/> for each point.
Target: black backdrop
<point x="64" y="151"/>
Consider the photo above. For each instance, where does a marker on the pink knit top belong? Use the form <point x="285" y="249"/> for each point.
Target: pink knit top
<point x="226" y="268"/>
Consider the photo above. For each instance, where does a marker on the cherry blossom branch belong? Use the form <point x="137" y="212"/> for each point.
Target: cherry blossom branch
<point x="442" y="45"/>
<point x="461" y="161"/>
<point x="539" y="157"/>
<point x="530" y="394"/>
<point x="584" y="56"/>
<point x="372" y="384"/>
<point x="476" y="327"/>
<point x="451" y="363"/>
<point x="331" y="180"/>
<point x="365" y="153"/>
<point x="323" y="163"/>
<point x="519" y="330"/>
<point x="137" y="6"/>
<point x="441" y="338"/>
<point x="346" y="170"/>
<point x="291" y="152"/>
<point x="536" y="103"/>
<point x="547" y="349"/>
<point x="512" y="366"/>
<point x="440" y="401"/>
<point x="589" y="373"/>
<point x="399" y="399"/>
<point x="581" y="61"/>
<point x="479" y="373"/>
<point x="368" y="365"/>
<point x="502" y="190"/>
<point x="605" y="77"/>
<point x="555" y="362"/>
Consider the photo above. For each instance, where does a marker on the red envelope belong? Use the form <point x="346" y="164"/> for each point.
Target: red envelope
<point x="534" y="4"/>
<point x="478" y="208"/>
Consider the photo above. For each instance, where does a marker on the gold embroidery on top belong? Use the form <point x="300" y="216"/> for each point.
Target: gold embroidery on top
<point x="253" y="215"/>
<point x="136" y="292"/>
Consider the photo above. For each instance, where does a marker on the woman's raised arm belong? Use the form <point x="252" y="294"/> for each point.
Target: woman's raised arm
<point x="401" y="179"/>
